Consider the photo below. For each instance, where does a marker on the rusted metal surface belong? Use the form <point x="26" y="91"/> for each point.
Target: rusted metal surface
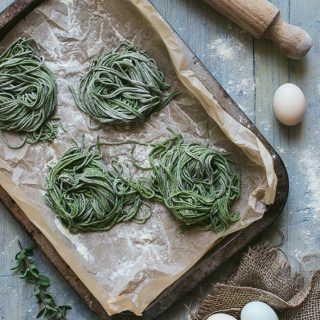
<point x="14" y="12"/>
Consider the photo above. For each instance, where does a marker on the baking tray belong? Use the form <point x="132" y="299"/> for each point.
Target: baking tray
<point x="215" y="257"/>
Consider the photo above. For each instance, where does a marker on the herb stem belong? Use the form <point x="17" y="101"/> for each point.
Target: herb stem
<point x="28" y="271"/>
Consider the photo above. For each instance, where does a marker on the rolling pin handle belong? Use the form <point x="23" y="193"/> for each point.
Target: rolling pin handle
<point x="293" y="41"/>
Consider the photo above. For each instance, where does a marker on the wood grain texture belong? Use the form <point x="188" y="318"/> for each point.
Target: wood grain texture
<point x="294" y="42"/>
<point x="255" y="16"/>
<point x="250" y="70"/>
<point x="262" y="20"/>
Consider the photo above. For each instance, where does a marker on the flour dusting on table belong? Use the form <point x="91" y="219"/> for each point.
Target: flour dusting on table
<point x="221" y="48"/>
<point x="311" y="169"/>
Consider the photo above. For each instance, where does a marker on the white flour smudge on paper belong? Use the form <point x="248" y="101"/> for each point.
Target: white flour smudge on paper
<point x="76" y="241"/>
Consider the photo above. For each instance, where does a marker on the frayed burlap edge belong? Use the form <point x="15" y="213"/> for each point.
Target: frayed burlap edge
<point x="265" y="275"/>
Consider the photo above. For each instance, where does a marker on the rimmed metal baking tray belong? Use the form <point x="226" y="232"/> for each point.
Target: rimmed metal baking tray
<point x="214" y="258"/>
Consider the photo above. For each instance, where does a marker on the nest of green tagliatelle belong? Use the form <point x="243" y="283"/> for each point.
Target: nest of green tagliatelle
<point x="196" y="183"/>
<point x="28" y="94"/>
<point x="86" y="196"/>
<point x="124" y="85"/>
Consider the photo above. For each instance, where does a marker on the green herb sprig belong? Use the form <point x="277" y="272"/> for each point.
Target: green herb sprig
<point x="26" y="266"/>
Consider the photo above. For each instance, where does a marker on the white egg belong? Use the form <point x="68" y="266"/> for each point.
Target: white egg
<point x="289" y="104"/>
<point x="221" y="316"/>
<point x="257" y="310"/>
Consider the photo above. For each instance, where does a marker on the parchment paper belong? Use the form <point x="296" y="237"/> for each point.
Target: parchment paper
<point x="129" y="266"/>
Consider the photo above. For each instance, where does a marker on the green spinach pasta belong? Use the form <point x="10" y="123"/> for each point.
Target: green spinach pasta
<point x="88" y="197"/>
<point x="28" y="94"/>
<point x="197" y="184"/>
<point x="124" y="85"/>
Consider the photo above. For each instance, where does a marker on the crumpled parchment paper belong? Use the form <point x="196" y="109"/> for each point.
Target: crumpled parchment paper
<point x="129" y="266"/>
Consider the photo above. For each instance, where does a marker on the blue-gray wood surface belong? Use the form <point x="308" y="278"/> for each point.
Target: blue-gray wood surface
<point x="250" y="70"/>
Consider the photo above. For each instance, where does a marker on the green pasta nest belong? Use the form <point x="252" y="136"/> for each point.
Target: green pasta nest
<point x="123" y="85"/>
<point x="197" y="184"/>
<point x="28" y="94"/>
<point x="88" y="197"/>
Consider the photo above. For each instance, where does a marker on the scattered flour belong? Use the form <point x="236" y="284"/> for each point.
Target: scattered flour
<point x="225" y="49"/>
<point x="222" y="49"/>
<point x="245" y="87"/>
<point x="76" y="241"/>
<point x="281" y="150"/>
<point x="311" y="170"/>
<point x="264" y="126"/>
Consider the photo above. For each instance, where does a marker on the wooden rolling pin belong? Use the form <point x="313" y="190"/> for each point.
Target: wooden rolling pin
<point x="262" y="19"/>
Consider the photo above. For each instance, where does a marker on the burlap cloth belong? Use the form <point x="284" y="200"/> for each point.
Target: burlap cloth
<point x="264" y="274"/>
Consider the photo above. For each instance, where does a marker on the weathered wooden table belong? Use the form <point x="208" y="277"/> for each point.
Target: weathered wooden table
<point x="250" y="70"/>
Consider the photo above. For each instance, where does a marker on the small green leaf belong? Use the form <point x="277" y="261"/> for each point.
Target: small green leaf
<point x="33" y="267"/>
<point x="24" y="275"/>
<point x="30" y="248"/>
<point x="47" y="295"/>
<point x="36" y="291"/>
<point x="43" y="281"/>
<point x="41" y="313"/>
<point x="51" y="308"/>
<point x="27" y="268"/>
<point x="21" y="255"/>
<point x="35" y="273"/>
<point x="65" y="308"/>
